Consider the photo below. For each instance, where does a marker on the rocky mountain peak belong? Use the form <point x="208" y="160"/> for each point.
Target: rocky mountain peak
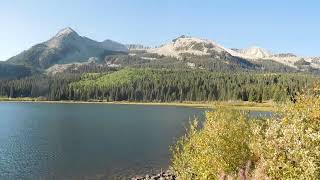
<point x="66" y="47"/>
<point x="64" y="36"/>
<point x="189" y="45"/>
<point x="66" y="32"/>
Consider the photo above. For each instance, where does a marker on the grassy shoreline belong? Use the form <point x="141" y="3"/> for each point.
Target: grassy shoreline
<point x="237" y="105"/>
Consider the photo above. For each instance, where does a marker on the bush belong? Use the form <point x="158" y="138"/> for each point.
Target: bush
<point x="286" y="146"/>
<point x="289" y="147"/>
<point x="222" y="146"/>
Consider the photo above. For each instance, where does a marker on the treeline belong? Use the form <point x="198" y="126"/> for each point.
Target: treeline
<point x="168" y="85"/>
<point x="159" y="85"/>
<point x="41" y="86"/>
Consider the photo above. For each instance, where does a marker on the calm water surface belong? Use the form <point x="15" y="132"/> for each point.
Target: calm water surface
<point x="87" y="141"/>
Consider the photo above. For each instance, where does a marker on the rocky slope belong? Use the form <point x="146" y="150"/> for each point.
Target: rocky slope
<point x="254" y="52"/>
<point x="185" y="45"/>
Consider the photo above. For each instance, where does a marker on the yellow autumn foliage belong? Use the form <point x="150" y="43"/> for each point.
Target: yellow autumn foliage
<point x="289" y="147"/>
<point x="220" y="147"/>
<point x="285" y="146"/>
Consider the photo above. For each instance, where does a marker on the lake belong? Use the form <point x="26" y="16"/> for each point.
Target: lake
<point x="88" y="141"/>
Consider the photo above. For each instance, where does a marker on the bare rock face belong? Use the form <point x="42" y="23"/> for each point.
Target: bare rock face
<point x="255" y="52"/>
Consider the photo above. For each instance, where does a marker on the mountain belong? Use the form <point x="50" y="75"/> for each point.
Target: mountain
<point x="204" y="54"/>
<point x="288" y="59"/>
<point x="186" y="46"/>
<point x="315" y="60"/>
<point x="66" y="47"/>
<point x="114" y="46"/>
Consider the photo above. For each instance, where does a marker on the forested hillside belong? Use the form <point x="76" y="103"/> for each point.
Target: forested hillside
<point x="160" y="85"/>
<point x="12" y="71"/>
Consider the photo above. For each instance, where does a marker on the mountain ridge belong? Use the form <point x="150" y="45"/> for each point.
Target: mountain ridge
<point x="67" y="47"/>
<point x="203" y="47"/>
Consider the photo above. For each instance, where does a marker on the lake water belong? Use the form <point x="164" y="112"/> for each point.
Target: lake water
<point x="87" y="141"/>
<point x="74" y="141"/>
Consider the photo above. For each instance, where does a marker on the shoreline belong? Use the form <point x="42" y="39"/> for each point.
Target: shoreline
<point x="237" y="105"/>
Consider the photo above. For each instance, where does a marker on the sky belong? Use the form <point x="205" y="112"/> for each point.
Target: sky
<point x="277" y="25"/>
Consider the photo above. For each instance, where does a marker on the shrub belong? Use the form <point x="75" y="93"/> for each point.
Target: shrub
<point x="222" y="146"/>
<point x="289" y="147"/>
<point x="286" y="146"/>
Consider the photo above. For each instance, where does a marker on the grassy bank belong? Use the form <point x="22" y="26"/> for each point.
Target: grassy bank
<point x="238" y="105"/>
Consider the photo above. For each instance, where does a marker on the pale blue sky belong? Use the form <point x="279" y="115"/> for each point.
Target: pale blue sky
<point x="277" y="25"/>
